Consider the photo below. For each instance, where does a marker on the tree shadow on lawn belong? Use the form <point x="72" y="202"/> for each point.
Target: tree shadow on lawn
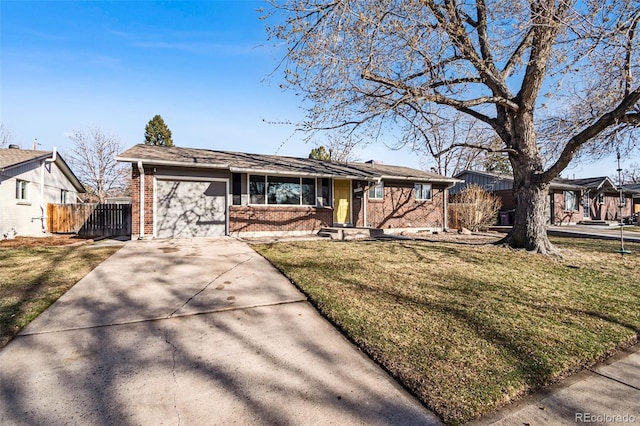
<point x="35" y="295"/>
<point x="212" y="366"/>
<point x="534" y="360"/>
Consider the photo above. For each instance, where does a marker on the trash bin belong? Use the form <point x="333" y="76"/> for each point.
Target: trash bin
<point x="504" y="219"/>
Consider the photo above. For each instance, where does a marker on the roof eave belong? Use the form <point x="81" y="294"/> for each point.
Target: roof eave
<point x="40" y="158"/>
<point x="156" y="162"/>
<point x="423" y="179"/>
<point x="252" y="170"/>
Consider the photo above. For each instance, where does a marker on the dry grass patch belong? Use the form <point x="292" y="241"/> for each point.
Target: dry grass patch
<point x="32" y="278"/>
<point x="469" y="328"/>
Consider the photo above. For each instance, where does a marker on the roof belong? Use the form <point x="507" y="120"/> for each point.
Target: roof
<point x="239" y="162"/>
<point x="501" y="176"/>
<point x="13" y="157"/>
<point x="400" y="172"/>
<point x="633" y="188"/>
<point x="593" y="183"/>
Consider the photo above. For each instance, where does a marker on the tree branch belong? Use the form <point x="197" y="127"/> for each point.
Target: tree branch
<point x="615" y="117"/>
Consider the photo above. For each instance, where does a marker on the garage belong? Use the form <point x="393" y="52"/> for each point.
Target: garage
<point x="188" y="209"/>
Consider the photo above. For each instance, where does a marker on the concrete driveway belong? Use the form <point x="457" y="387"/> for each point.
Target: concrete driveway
<point x="201" y="331"/>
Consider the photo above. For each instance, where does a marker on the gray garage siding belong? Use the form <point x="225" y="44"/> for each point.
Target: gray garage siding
<point x="188" y="208"/>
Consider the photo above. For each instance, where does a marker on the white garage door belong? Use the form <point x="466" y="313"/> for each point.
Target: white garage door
<point x="190" y="209"/>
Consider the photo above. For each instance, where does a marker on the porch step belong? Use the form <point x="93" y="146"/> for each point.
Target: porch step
<point x="598" y="223"/>
<point x="350" y="233"/>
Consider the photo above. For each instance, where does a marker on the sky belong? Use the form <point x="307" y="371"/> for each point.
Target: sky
<point x="205" y="66"/>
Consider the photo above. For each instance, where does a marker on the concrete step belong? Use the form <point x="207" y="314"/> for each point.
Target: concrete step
<point x="350" y="233"/>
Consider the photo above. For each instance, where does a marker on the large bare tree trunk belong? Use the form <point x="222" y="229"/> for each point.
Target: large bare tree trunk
<point x="530" y="222"/>
<point x="529" y="189"/>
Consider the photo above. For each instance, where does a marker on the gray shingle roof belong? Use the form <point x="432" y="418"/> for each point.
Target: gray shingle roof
<point x="592" y="183"/>
<point x="239" y="162"/>
<point x="10" y="157"/>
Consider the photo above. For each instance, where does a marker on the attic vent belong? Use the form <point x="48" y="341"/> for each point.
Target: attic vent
<point x="14" y="146"/>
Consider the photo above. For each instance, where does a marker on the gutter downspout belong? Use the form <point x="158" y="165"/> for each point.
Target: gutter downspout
<point x="43" y="212"/>
<point x="365" y="199"/>
<point x="445" y="210"/>
<point x="141" y="218"/>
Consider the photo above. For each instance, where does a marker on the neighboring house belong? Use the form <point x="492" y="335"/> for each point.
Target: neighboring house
<point x="29" y="180"/>
<point x="635" y="188"/>
<point x="570" y="200"/>
<point x="184" y="192"/>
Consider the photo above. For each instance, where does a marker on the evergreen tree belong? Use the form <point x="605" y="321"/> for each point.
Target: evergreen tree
<point x="320" y="153"/>
<point x="157" y="133"/>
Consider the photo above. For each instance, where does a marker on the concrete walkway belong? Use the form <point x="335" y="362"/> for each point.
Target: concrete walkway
<point x="192" y="332"/>
<point x="608" y="394"/>
<point x="595" y="232"/>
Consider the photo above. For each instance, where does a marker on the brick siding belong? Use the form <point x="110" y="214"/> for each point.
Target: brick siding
<point x="278" y="218"/>
<point x="400" y="209"/>
<point x="135" y="201"/>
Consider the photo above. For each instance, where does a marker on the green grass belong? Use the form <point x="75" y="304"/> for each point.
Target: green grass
<point x="470" y="328"/>
<point x="31" y="279"/>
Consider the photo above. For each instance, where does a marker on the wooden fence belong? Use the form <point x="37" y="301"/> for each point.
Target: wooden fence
<point x="89" y="220"/>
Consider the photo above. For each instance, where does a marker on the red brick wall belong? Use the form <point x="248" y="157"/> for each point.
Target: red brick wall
<point x="400" y="209"/>
<point x="278" y="218"/>
<point x="562" y="216"/>
<point x="609" y="210"/>
<point x="135" y="201"/>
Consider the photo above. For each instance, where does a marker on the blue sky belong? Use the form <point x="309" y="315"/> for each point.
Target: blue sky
<point x="201" y="65"/>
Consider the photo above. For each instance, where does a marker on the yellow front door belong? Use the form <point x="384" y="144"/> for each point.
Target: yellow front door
<point x="341" y="201"/>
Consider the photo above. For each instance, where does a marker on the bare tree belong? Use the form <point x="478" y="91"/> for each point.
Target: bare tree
<point x="553" y="79"/>
<point x="436" y="144"/>
<point x="93" y="161"/>
<point x="631" y="174"/>
<point x="5" y="136"/>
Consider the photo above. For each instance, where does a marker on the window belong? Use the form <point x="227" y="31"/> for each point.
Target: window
<point x="600" y="198"/>
<point x="326" y="192"/>
<point x="22" y="190"/>
<point x="236" y="188"/>
<point x="376" y="192"/>
<point x="65" y="196"/>
<point x="570" y="201"/>
<point x="308" y="192"/>
<point x="423" y="191"/>
<point x="282" y="190"/>
<point x="257" y="189"/>
<point x="586" y="207"/>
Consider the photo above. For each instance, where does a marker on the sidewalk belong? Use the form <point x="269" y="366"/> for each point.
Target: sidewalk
<point x="608" y="393"/>
<point x="594" y="231"/>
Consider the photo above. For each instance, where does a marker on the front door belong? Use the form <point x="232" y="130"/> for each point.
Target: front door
<point x="342" y="201"/>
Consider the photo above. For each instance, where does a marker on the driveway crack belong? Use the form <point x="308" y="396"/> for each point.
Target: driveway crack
<point x="207" y="286"/>
<point x="173" y="372"/>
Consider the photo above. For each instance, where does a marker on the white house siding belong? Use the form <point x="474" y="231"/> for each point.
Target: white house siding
<point x="28" y="216"/>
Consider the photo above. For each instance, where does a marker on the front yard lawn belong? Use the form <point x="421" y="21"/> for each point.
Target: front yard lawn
<point x="32" y="277"/>
<point x="469" y="328"/>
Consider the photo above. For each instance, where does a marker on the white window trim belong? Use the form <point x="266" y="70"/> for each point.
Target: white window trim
<point x="374" y="190"/>
<point x="19" y="190"/>
<point x="422" y="184"/>
<point x="576" y="206"/>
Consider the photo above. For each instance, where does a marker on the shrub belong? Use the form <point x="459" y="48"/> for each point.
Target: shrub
<point x="474" y="208"/>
